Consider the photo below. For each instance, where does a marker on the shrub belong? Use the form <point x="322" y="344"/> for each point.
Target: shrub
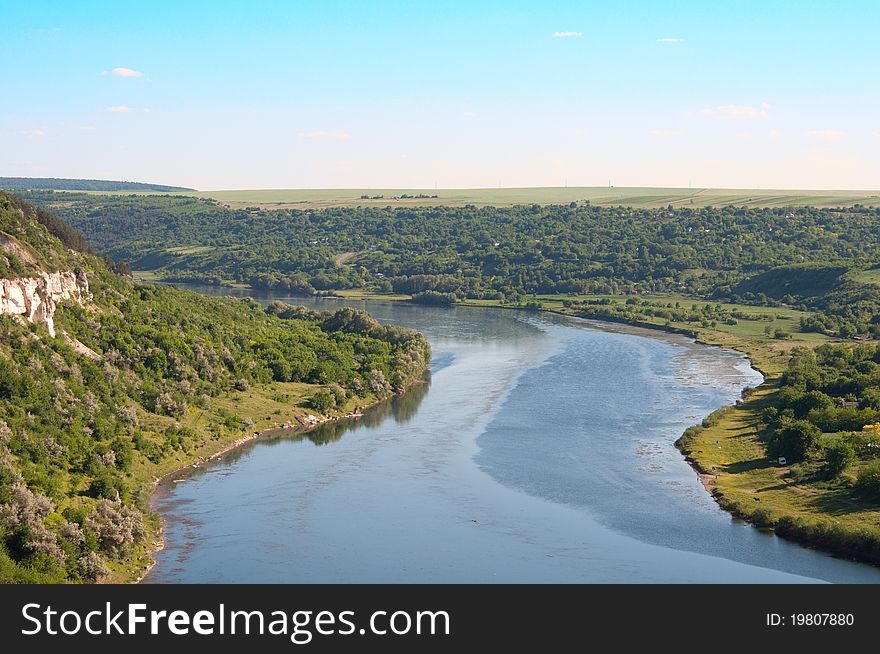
<point x="322" y="401"/>
<point x="839" y="458"/>
<point x="92" y="567"/>
<point x="868" y="480"/>
<point x="116" y="527"/>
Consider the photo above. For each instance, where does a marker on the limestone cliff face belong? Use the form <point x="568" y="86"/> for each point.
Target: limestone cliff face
<point x="35" y="298"/>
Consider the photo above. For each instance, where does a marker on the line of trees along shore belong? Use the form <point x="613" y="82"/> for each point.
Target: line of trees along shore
<point x="821" y="260"/>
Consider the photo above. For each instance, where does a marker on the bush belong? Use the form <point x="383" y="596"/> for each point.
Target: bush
<point x="92" y="567"/>
<point x="839" y="458"/>
<point x="868" y="480"/>
<point x="322" y="401"/>
<point x="434" y="298"/>
<point x="116" y="527"/>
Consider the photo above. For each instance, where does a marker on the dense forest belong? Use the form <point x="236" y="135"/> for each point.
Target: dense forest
<point x="824" y="261"/>
<point x="86" y="417"/>
<point x="61" y="184"/>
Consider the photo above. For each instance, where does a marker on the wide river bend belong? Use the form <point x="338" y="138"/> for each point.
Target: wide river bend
<point x="540" y="450"/>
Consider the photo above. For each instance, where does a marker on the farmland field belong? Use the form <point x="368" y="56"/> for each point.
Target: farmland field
<point x="606" y="196"/>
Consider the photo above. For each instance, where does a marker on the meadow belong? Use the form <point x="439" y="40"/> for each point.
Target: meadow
<point x="639" y="197"/>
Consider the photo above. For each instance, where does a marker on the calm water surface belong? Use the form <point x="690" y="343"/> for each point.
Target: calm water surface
<point x="540" y="450"/>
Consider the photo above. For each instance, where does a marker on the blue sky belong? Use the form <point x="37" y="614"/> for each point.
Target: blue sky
<point x="454" y="94"/>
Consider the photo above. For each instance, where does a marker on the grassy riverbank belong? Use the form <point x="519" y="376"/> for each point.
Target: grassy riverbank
<point x="266" y="407"/>
<point x="728" y="450"/>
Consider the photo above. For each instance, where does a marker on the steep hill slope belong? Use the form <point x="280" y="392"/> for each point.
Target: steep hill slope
<point x="110" y="384"/>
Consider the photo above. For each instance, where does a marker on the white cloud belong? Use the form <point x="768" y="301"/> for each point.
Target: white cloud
<point x="774" y="133"/>
<point x="469" y="114"/>
<point x="670" y="39"/>
<point x="325" y="134"/>
<point x="567" y="35"/>
<point x="876" y="135"/>
<point x="146" y="110"/>
<point x="739" y="111"/>
<point x="125" y="72"/>
<point x="825" y="134"/>
<point x="667" y="133"/>
<point x="119" y="109"/>
<point x="34" y="133"/>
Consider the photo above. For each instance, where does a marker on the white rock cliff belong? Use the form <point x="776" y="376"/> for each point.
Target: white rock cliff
<point x="35" y="298"/>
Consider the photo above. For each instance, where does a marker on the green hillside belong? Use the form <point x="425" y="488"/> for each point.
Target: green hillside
<point x="801" y="256"/>
<point x="141" y="380"/>
<point x="62" y="184"/>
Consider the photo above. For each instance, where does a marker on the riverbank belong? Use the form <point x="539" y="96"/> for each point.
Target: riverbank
<point x="273" y="409"/>
<point x="727" y="452"/>
<point x="729" y="455"/>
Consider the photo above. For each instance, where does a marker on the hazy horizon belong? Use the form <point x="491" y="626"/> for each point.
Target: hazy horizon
<point x="391" y="95"/>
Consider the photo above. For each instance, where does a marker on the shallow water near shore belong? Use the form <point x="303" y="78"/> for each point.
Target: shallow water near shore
<point x="541" y="449"/>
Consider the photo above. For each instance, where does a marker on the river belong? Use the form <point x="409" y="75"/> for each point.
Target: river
<point x="540" y="449"/>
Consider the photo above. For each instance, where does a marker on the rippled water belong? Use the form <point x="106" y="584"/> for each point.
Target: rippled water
<point x="540" y="450"/>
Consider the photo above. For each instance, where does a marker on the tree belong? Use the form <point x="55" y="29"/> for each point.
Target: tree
<point x="795" y="440"/>
<point x="322" y="401"/>
<point x="839" y="458"/>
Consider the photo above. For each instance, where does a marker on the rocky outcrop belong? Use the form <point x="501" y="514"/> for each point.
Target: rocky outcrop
<point x="35" y="298"/>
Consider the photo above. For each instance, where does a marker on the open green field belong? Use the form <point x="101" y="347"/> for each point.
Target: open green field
<point x="871" y="276"/>
<point x="732" y="461"/>
<point x="646" y="197"/>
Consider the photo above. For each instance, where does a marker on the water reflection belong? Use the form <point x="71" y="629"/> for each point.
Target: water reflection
<point x="540" y="450"/>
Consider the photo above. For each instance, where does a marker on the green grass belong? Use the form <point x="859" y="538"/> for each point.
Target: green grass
<point x="267" y="406"/>
<point x="191" y="249"/>
<point x="599" y="195"/>
<point x="871" y="276"/>
<point x="746" y="336"/>
<point x="733" y="463"/>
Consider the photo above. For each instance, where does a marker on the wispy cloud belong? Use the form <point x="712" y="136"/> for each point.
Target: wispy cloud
<point x="469" y="114"/>
<point x="567" y="35"/>
<point x="739" y="111"/>
<point x="670" y="39"/>
<point x="774" y="133"/>
<point x="876" y="135"/>
<point x="325" y="134"/>
<point x="34" y="133"/>
<point x="667" y="133"/>
<point x="825" y="134"/>
<point x="123" y="72"/>
<point x="119" y="109"/>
